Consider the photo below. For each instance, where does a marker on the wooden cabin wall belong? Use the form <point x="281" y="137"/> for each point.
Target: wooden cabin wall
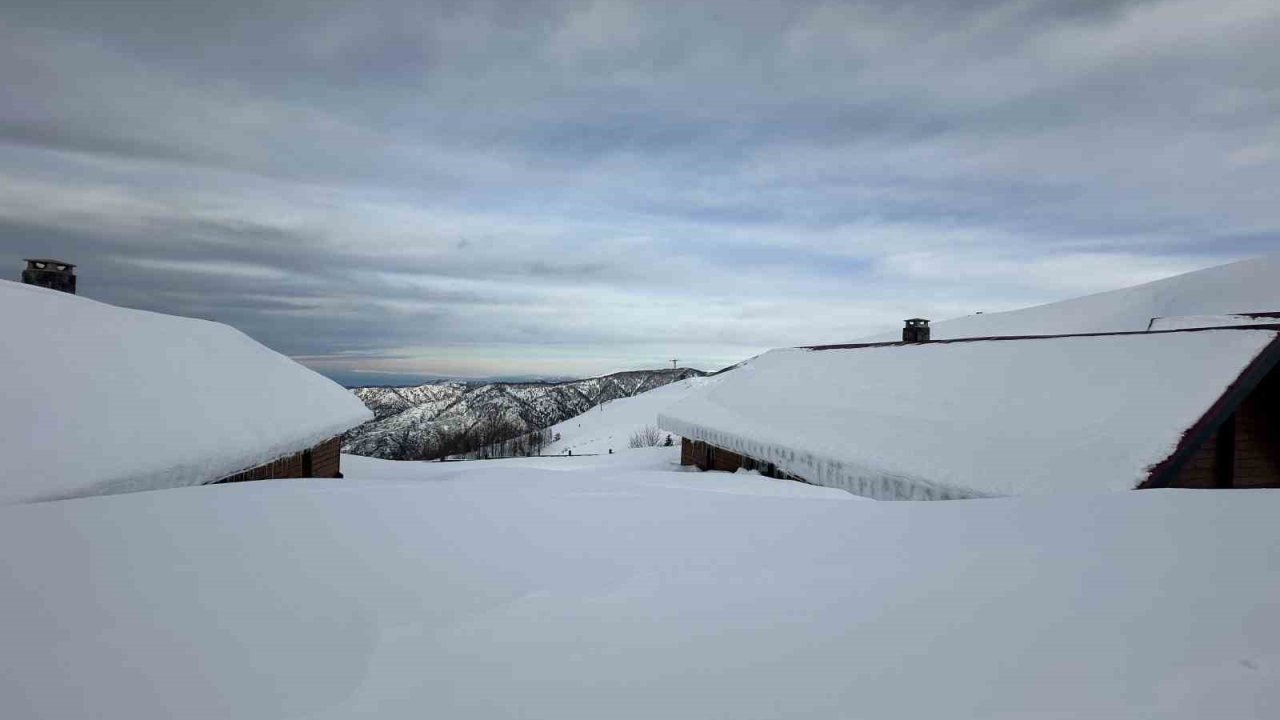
<point x="1254" y="434"/>
<point x="326" y="459"/>
<point x="697" y="454"/>
<point x="322" y="460"/>
<point x="723" y="460"/>
<point x="1199" y="470"/>
<point x="1257" y="457"/>
<point x="709" y="457"/>
<point x="686" y="452"/>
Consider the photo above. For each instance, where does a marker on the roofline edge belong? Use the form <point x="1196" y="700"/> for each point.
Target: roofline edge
<point x="1163" y="473"/>
<point x="1273" y="327"/>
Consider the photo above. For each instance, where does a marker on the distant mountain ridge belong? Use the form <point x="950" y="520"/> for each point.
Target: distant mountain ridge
<point x="421" y="415"/>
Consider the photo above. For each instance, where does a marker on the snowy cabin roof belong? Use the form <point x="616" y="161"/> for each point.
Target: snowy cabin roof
<point x="981" y="417"/>
<point x="1241" y="287"/>
<point x="97" y="399"/>
<point x="1187" y="322"/>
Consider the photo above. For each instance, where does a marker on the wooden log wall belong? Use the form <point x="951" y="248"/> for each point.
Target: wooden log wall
<point x="322" y="460"/>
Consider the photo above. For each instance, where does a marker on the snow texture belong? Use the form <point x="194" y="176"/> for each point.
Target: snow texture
<point x="971" y="419"/>
<point x="1249" y="286"/>
<point x="97" y="399"/>
<point x="488" y="590"/>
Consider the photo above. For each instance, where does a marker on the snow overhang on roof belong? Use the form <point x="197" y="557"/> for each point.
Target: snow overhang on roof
<point x="1187" y="322"/>
<point x="974" y="418"/>
<point x="97" y="399"/>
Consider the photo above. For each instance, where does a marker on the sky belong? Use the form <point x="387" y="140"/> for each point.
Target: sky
<point x="401" y="189"/>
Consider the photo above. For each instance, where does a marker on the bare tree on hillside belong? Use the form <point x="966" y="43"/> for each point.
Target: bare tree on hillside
<point x="647" y="436"/>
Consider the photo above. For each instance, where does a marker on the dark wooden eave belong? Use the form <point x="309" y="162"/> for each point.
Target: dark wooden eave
<point x="1163" y="473"/>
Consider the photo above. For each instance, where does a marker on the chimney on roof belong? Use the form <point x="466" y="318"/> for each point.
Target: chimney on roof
<point x="916" y="331"/>
<point x="53" y="274"/>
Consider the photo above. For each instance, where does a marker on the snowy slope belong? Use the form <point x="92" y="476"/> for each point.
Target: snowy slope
<point x="99" y="399"/>
<point x="611" y="424"/>
<point x="518" y="592"/>
<point x="605" y="468"/>
<point x="440" y="408"/>
<point x="1242" y="287"/>
<point x="988" y="417"/>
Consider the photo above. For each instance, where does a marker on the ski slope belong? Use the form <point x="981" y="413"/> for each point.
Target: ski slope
<point x="616" y="590"/>
<point x="1243" y="287"/>
<point x="610" y="425"/>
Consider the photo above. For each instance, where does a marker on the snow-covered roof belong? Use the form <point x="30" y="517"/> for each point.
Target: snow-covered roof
<point x="972" y="418"/>
<point x="1241" y="287"/>
<point x="97" y="399"/>
<point x="1187" y="322"/>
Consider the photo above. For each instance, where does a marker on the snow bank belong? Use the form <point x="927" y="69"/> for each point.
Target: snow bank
<point x="971" y="419"/>
<point x="1242" y="287"/>
<point x="533" y="594"/>
<point x="659" y="458"/>
<point x="659" y="467"/>
<point x="97" y="399"/>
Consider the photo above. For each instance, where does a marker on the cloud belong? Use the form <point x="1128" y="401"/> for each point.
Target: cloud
<point x="513" y="187"/>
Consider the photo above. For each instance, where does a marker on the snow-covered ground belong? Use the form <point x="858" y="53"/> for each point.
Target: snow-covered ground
<point x="610" y="425"/>
<point x="658" y="466"/>
<point x="618" y="587"/>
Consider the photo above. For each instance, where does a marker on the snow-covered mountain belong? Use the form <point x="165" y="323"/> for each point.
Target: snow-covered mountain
<point x="1242" y="287"/>
<point x="433" y="411"/>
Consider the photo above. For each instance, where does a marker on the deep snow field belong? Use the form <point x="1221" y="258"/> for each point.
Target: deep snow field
<point x="623" y="587"/>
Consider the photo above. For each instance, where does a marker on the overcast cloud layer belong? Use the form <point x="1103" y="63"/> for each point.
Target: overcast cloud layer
<point x="570" y="188"/>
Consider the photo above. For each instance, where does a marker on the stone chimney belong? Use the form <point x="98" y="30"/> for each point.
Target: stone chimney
<point x="53" y="274"/>
<point x="916" y="331"/>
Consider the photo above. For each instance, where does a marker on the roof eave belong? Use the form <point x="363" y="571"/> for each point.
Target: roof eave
<point x="1163" y="473"/>
<point x="1006" y="338"/>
